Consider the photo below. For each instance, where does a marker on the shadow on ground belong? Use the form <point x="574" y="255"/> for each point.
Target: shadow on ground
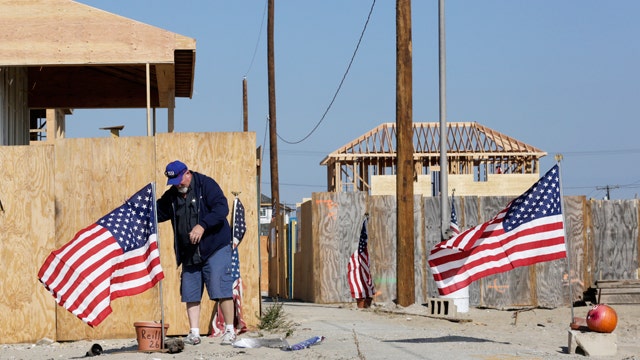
<point x="444" y="339"/>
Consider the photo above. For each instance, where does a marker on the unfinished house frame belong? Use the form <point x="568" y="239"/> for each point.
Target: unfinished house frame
<point x="472" y="149"/>
<point x="61" y="55"/>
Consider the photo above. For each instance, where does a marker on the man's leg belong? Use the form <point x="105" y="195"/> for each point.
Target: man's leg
<point x="219" y="280"/>
<point x="228" y="311"/>
<point x="193" y="313"/>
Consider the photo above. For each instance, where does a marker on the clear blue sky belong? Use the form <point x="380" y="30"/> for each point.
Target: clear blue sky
<point x="563" y="76"/>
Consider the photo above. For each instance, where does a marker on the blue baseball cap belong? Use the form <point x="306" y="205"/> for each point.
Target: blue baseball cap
<point x="174" y="172"/>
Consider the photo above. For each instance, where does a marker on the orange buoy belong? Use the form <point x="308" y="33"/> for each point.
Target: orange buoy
<point x="602" y="318"/>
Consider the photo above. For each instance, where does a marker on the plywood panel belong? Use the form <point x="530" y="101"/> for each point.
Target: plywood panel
<point x="27" y="234"/>
<point x="615" y="239"/>
<point x="264" y="265"/>
<point x="283" y="258"/>
<point x="93" y="177"/>
<point x="274" y="258"/>
<point x="351" y="214"/>
<point x="577" y="265"/>
<point x="382" y="246"/>
<point x="229" y="158"/>
<point x="420" y="252"/>
<point x="325" y="231"/>
<point x="432" y="236"/>
<point x="342" y="215"/>
<point x="495" y="185"/>
<point x="304" y="257"/>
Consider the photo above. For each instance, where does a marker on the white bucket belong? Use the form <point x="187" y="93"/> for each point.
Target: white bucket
<point x="460" y="299"/>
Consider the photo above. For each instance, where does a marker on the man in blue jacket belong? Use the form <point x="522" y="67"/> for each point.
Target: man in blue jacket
<point x="198" y="211"/>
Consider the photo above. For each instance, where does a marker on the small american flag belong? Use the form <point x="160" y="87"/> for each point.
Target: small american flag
<point x="528" y="231"/>
<point x="239" y="229"/>
<point x="239" y="223"/>
<point x="358" y="272"/>
<point x="455" y="229"/>
<point x="114" y="257"/>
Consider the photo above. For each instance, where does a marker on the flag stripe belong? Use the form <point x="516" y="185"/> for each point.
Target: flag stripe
<point x="528" y="231"/>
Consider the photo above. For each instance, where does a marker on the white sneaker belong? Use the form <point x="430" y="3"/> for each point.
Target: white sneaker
<point x="192" y="339"/>
<point x="228" y="338"/>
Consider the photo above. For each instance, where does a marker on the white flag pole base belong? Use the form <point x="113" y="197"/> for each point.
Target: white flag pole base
<point x="460" y="299"/>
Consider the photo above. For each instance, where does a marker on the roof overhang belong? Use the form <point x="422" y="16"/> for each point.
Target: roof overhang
<point x="82" y="57"/>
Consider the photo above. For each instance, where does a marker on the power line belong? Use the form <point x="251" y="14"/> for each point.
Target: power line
<point x="255" y="50"/>
<point x="335" y="95"/>
<point x="599" y="152"/>
<point x="608" y="189"/>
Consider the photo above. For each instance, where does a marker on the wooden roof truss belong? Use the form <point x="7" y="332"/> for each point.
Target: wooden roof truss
<point x="471" y="149"/>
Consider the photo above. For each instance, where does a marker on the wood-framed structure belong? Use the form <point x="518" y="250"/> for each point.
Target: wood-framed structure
<point x="473" y="149"/>
<point x="60" y="55"/>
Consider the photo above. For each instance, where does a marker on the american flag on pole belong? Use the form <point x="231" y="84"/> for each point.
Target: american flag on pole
<point x="455" y="229"/>
<point x="114" y="257"/>
<point x="358" y="272"/>
<point x="239" y="228"/>
<point x="528" y="231"/>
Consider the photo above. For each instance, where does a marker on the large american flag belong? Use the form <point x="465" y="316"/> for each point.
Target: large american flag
<point x="358" y="272"/>
<point x="528" y="231"/>
<point x="239" y="227"/>
<point x="114" y="257"/>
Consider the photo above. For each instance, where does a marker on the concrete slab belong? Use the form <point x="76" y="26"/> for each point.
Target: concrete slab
<point x="592" y="343"/>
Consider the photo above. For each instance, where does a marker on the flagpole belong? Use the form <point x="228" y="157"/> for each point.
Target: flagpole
<point x="558" y="158"/>
<point x="155" y="219"/>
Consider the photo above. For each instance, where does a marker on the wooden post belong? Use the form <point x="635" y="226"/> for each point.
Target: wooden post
<point x="404" y="178"/>
<point x="148" y="72"/>
<point x="245" y="106"/>
<point x="273" y="139"/>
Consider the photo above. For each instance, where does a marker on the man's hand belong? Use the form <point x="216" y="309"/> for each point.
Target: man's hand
<point x="196" y="234"/>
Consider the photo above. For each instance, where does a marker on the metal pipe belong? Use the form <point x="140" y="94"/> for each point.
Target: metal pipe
<point x="444" y="167"/>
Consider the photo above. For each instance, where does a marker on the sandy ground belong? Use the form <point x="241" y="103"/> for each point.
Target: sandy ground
<point x="383" y="332"/>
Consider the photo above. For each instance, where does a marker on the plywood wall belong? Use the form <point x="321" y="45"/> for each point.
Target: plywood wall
<point x="27" y="235"/>
<point x="53" y="191"/>
<point x="602" y="239"/>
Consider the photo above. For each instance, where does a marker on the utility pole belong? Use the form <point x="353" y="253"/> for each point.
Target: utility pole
<point x="405" y="286"/>
<point x="273" y="138"/>
<point x="245" y="106"/>
<point x="608" y="188"/>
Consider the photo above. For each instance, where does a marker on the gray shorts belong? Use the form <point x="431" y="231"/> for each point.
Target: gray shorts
<point x="215" y="274"/>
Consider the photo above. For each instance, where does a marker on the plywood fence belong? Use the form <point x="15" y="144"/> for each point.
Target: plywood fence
<point x="602" y="238"/>
<point x="49" y="192"/>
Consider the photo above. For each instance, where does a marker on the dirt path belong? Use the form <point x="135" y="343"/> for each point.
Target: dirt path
<point x="383" y="333"/>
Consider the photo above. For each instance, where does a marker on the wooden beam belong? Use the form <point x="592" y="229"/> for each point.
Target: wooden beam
<point x="166" y="85"/>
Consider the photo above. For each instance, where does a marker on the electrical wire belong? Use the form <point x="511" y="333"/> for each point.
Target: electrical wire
<point x="335" y="95"/>
<point x="255" y="50"/>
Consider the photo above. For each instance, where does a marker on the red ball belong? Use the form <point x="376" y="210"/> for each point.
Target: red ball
<point x="602" y="318"/>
